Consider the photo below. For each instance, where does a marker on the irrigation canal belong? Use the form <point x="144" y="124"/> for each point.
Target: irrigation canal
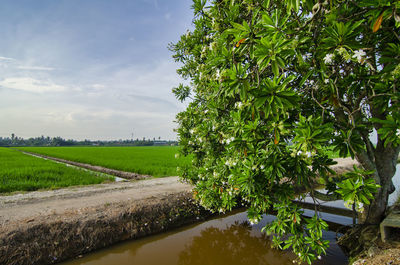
<point x="228" y="239"/>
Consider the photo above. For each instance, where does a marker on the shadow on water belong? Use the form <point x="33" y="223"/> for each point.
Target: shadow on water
<point x="228" y="239"/>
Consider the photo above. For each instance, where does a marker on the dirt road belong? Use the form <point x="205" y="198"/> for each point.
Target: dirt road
<point x="28" y="206"/>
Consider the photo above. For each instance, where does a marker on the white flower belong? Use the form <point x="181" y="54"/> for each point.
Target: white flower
<point x="253" y="221"/>
<point x="319" y="257"/>
<point x="213" y="22"/>
<point x="262" y="167"/>
<point x="213" y="46"/>
<point x="218" y="74"/>
<point x="238" y="105"/>
<point x="307" y="56"/>
<point x="329" y="58"/>
<point x="398" y="132"/>
<point x="299" y="152"/>
<point x="326" y="81"/>
<point x="308" y="154"/>
<point x="359" y="55"/>
<point x="228" y="141"/>
<point x="191" y="131"/>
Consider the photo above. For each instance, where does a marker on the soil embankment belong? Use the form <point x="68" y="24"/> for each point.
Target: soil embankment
<point x="51" y="226"/>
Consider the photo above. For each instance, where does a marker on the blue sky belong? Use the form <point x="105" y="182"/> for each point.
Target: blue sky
<point x="90" y="69"/>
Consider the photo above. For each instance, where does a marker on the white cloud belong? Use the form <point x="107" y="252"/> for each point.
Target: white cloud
<point x="35" y="68"/>
<point x="31" y="85"/>
<point x="98" y="86"/>
<point x="6" y="59"/>
<point x="69" y="80"/>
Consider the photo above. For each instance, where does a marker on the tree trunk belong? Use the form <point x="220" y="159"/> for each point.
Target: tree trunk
<point x="384" y="164"/>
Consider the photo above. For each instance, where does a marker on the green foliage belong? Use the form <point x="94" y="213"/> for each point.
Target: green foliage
<point x="390" y="129"/>
<point x="157" y="161"/>
<point x="356" y="189"/>
<point x="274" y="86"/>
<point x="20" y="172"/>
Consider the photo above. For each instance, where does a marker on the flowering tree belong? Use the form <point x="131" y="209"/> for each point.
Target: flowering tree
<point x="273" y="86"/>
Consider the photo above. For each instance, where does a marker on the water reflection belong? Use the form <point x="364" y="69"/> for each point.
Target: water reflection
<point x="233" y="245"/>
<point x="226" y="240"/>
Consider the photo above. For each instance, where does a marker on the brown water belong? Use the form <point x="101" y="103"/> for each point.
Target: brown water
<point x="226" y="240"/>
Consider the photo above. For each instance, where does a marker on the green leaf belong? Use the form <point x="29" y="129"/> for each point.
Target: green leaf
<point x="275" y="68"/>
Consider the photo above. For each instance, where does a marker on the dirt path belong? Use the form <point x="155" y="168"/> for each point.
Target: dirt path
<point x="46" y="227"/>
<point x="114" y="172"/>
<point x="28" y="206"/>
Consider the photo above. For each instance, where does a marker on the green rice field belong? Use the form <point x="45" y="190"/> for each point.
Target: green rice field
<point x="20" y="172"/>
<point x="157" y="161"/>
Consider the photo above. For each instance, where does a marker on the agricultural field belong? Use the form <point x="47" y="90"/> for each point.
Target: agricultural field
<point x="157" y="161"/>
<point x="20" y="172"/>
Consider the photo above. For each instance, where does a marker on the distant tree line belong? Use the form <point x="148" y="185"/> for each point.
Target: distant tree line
<point x="58" y="141"/>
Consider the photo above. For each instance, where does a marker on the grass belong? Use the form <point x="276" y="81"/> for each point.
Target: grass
<point x="157" y="161"/>
<point x="20" y="172"/>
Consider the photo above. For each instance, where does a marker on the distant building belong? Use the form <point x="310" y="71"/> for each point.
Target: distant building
<point x="161" y="143"/>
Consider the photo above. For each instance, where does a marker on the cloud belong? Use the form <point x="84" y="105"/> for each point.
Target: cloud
<point x="35" y="68"/>
<point x="98" y="86"/>
<point x="7" y="59"/>
<point x="72" y="80"/>
<point x="158" y="102"/>
<point x="31" y="85"/>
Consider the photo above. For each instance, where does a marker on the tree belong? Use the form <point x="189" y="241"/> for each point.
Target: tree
<point x="273" y="86"/>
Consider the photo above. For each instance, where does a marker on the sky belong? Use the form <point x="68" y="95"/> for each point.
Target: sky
<point x="90" y="69"/>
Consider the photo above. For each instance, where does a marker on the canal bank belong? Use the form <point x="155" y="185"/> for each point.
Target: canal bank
<point x="51" y="226"/>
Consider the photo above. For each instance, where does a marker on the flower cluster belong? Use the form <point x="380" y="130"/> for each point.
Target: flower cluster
<point x="230" y="162"/>
<point x="360" y="56"/>
<point x="328" y="59"/>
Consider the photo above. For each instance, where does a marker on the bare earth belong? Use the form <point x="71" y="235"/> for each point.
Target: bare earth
<point x="26" y="207"/>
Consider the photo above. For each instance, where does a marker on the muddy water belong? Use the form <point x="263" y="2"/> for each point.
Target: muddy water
<point x="229" y="240"/>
